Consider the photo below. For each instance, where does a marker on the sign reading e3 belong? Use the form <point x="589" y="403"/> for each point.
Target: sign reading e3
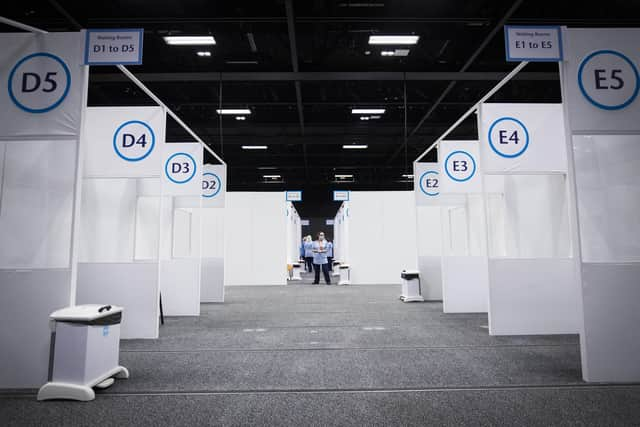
<point x="460" y="166"/>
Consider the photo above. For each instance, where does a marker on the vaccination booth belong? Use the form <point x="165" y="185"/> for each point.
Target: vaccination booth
<point x="533" y="287"/>
<point x="465" y="287"/>
<point x="120" y="214"/>
<point x="41" y="114"/>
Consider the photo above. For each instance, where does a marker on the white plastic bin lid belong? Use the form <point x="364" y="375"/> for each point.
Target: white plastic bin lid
<point x="411" y="271"/>
<point x="85" y="313"/>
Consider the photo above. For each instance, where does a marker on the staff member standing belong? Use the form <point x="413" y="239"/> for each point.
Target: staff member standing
<point x="320" y="261"/>
<point x="308" y="253"/>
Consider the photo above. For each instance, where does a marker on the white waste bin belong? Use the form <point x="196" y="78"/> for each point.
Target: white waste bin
<point x="345" y="274"/>
<point x="85" y="349"/>
<point x="411" y="289"/>
<point x="297" y="268"/>
<point x="336" y="268"/>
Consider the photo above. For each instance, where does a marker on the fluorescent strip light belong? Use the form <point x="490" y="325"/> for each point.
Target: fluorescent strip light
<point x="355" y="147"/>
<point x="234" y="111"/>
<point x="364" y="118"/>
<point x="387" y="53"/>
<point x="407" y="175"/>
<point x="241" y="62"/>
<point x="367" y="111"/>
<point x="189" y="40"/>
<point x="267" y="167"/>
<point x="254" y="147"/>
<point x="374" y="117"/>
<point x="393" y="39"/>
<point x="203" y="53"/>
<point x="343" y="176"/>
<point x="240" y="117"/>
<point x="272" y="176"/>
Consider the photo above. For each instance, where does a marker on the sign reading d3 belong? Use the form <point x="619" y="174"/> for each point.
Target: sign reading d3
<point x="180" y="168"/>
<point x="134" y="140"/>
<point x="608" y="79"/>
<point x="39" y="82"/>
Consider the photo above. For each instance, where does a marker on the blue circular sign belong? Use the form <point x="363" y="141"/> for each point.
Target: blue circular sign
<point x="217" y="186"/>
<point x="614" y="92"/>
<point x="134" y="142"/>
<point x="39" y="90"/>
<point x="457" y="165"/>
<point x="509" y="135"/>
<point x="187" y="167"/>
<point x="426" y="175"/>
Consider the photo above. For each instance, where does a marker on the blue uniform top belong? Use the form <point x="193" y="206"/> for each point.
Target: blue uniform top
<point x="330" y="249"/>
<point x="320" y="252"/>
<point x="302" y="250"/>
<point x="308" y="249"/>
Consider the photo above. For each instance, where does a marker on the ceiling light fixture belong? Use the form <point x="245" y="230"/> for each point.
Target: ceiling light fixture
<point x="203" y="53"/>
<point x="393" y="39"/>
<point x="374" y="117"/>
<point x="367" y="111"/>
<point x="248" y="62"/>
<point x="355" y="147"/>
<point x="407" y="175"/>
<point x="364" y="118"/>
<point x="233" y="111"/>
<point x="343" y="176"/>
<point x="241" y="118"/>
<point x="272" y="176"/>
<point x="387" y="53"/>
<point x="254" y="147"/>
<point x="267" y="167"/>
<point x="189" y="40"/>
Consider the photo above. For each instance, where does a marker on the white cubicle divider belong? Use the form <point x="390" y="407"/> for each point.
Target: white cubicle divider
<point x="120" y="215"/>
<point x="341" y="234"/>
<point x="600" y="82"/>
<point x="381" y="236"/>
<point x="533" y="287"/>
<point x="294" y="233"/>
<point x="465" y="287"/>
<point x="255" y="248"/>
<point x="181" y="228"/>
<point x="429" y="228"/>
<point x="41" y="113"/>
<point x="214" y="188"/>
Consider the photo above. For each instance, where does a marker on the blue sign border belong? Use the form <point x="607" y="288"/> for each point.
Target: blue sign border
<point x="286" y="195"/>
<point x="446" y="169"/>
<point x="113" y="30"/>
<point x="525" y="27"/>
<point x="584" y="91"/>
<point x="347" y="199"/>
<point x="422" y="188"/>
<point x="219" y="184"/>
<point x="195" y="167"/>
<point x="115" y="139"/>
<point x="55" y="104"/>
<point x="526" y="134"/>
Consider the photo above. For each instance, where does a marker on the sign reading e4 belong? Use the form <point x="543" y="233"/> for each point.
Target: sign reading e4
<point x="39" y="82"/>
<point x="180" y="168"/>
<point x="210" y="185"/>
<point x="430" y="183"/>
<point x="508" y="137"/>
<point x="608" y="79"/>
<point x="460" y="166"/>
<point x="134" y="140"/>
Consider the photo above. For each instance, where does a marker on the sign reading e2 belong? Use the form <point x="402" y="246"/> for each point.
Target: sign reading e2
<point x="430" y="183"/>
<point x="134" y="140"/>
<point x="608" y="79"/>
<point x="39" y="82"/>
<point x="180" y="168"/>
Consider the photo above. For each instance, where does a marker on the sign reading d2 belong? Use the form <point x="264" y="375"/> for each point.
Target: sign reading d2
<point x="134" y="140"/>
<point x="114" y="47"/>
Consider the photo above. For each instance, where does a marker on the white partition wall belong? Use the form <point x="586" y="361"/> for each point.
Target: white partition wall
<point x="214" y="188"/>
<point x="533" y="287"/>
<point x="341" y="234"/>
<point x="120" y="215"/>
<point x="40" y="131"/>
<point x="294" y="233"/>
<point x="465" y="287"/>
<point x="381" y="236"/>
<point x="255" y="243"/>
<point x="429" y="228"/>
<point x="600" y="81"/>
<point x="180" y="225"/>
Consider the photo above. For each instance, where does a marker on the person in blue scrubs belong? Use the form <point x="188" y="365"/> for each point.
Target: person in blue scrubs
<point x="320" y="261"/>
<point x="308" y="253"/>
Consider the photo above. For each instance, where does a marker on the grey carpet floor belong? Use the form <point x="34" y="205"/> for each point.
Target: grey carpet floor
<point x="327" y="355"/>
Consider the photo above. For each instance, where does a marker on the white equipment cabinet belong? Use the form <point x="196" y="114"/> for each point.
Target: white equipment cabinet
<point x="85" y="346"/>
<point x="411" y="288"/>
<point x="345" y="274"/>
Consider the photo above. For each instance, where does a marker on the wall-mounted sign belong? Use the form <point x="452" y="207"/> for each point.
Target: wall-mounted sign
<point x="341" y="195"/>
<point x="182" y="169"/>
<point x="304" y="222"/>
<point x="293" y="196"/>
<point x="508" y="137"/>
<point x="460" y="166"/>
<point x="114" y="47"/>
<point x="330" y="222"/>
<point x="535" y="44"/>
<point x="134" y="140"/>
<point x="214" y="186"/>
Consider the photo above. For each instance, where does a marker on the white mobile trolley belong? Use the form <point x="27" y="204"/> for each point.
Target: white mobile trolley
<point x="85" y="346"/>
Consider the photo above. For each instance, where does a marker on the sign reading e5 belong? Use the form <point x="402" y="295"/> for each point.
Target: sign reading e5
<point x="608" y="79"/>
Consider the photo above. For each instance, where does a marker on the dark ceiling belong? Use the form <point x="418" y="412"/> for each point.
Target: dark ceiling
<point x="304" y="117"/>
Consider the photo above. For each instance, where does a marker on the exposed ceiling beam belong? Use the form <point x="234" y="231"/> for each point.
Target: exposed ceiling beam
<point x="322" y="76"/>
<point x="498" y="27"/>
